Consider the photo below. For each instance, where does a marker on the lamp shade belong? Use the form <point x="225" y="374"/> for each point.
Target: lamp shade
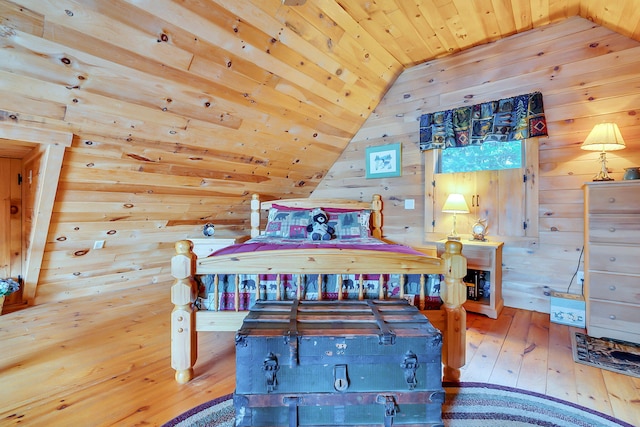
<point x="604" y="137"/>
<point x="455" y="203"/>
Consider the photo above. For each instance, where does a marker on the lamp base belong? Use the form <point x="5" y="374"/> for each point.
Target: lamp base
<point x="456" y="238"/>
<point x="603" y="175"/>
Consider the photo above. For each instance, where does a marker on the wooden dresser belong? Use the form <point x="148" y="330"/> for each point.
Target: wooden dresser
<point x="612" y="259"/>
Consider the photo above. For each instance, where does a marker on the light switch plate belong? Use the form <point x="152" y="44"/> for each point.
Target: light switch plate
<point x="409" y="204"/>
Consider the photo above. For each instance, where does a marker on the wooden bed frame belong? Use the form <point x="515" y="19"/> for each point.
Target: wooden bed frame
<point x="186" y="320"/>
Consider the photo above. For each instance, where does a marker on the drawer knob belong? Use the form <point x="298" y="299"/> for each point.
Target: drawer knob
<point x="612" y="259"/>
<point x="612" y="316"/>
<point x="612" y="199"/>
<point x="612" y="288"/>
<point x="612" y="229"/>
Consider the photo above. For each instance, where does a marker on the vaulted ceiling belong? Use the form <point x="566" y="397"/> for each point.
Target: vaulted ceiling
<point x="270" y="83"/>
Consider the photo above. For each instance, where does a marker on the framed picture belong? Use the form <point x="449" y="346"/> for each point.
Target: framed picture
<point x="384" y="161"/>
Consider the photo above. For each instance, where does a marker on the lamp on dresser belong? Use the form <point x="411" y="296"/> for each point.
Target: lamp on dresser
<point x="604" y="137"/>
<point x="455" y="204"/>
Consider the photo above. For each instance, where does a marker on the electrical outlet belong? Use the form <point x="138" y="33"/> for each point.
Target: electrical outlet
<point x="409" y="204"/>
<point x="580" y="277"/>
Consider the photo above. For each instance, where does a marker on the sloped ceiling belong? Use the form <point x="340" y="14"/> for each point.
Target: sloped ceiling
<point x="180" y="109"/>
<point x="270" y="94"/>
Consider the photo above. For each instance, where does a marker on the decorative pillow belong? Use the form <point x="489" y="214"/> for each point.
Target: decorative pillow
<point x="350" y="224"/>
<point x="291" y="222"/>
<point x="286" y="222"/>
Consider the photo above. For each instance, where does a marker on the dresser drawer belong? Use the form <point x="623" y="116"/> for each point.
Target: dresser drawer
<point x="619" y="198"/>
<point x="614" y="229"/>
<point x="620" y="259"/>
<point x="203" y="247"/>
<point x="623" y="317"/>
<point x="614" y="287"/>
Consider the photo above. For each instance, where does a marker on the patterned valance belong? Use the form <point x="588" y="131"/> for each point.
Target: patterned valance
<point x="508" y="119"/>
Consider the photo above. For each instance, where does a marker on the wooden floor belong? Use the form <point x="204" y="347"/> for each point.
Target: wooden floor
<point x="105" y="361"/>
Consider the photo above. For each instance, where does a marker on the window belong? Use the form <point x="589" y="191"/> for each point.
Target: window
<point x="491" y="155"/>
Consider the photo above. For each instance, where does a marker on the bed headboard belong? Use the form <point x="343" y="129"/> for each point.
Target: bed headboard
<point x="375" y="206"/>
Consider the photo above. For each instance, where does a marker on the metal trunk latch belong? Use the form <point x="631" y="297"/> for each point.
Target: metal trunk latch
<point x="390" y="408"/>
<point x="270" y="368"/>
<point x="340" y="380"/>
<point x="410" y="365"/>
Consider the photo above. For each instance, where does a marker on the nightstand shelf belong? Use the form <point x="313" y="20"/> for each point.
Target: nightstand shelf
<point x="484" y="263"/>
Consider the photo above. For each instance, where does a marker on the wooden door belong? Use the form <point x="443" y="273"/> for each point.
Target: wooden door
<point x="511" y="202"/>
<point x="495" y="196"/>
<point x="10" y="223"/>
<point x="444" y="184"/>
<point x="485" y="200"/>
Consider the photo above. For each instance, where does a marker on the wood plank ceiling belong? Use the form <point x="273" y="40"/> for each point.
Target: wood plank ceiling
<point x="268" y="94"/>
<point x="181" y="106"/>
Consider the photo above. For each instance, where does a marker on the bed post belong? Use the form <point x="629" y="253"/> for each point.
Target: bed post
<point x="453" y="295"/>
<point x="376" y="216"/>
<point x="183" y="318"/>
<point x="255" y="215"/>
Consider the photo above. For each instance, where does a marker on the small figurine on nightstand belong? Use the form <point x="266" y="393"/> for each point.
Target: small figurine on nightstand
<point x="479" y="230"/>
<point x="208" y="230"/>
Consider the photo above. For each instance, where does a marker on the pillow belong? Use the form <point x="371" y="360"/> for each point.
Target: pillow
<point x="289" y="223"/>
<point x="349" y="224"/>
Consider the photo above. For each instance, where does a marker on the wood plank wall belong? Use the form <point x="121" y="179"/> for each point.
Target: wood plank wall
<point x="587" y="74"/>
<point x="179" y="110"/>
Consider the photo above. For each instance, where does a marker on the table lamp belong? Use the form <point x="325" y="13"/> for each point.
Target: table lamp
<point x="603" y="137"/>
<point x="455" y="204"/>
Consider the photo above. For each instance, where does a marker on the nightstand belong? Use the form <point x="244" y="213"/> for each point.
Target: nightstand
<point x="484" y="264"/>
<point x="205" y="246"/>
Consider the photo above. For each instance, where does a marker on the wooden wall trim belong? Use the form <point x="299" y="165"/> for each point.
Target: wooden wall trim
<point x="10" y="132"/>
<point x="48" y="158"/>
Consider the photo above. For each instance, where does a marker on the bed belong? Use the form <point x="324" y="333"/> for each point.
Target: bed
<point x="280" y="261"/>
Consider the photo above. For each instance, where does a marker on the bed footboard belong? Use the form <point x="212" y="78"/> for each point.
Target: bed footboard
<point x="184" y="347"/>
<point x="453" y="295"/>
<point x="186" y="320"/>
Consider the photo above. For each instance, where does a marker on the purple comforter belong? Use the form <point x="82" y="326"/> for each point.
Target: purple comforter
<point x="266" y="243"/>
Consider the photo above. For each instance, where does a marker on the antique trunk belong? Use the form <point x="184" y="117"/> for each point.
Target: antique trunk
<point x="338" y="363"/>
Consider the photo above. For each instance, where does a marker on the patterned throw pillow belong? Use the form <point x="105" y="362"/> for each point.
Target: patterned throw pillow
<point x="291" y="223"/>
<point x="288" y="223"/>
<point x="350" y="224"/>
